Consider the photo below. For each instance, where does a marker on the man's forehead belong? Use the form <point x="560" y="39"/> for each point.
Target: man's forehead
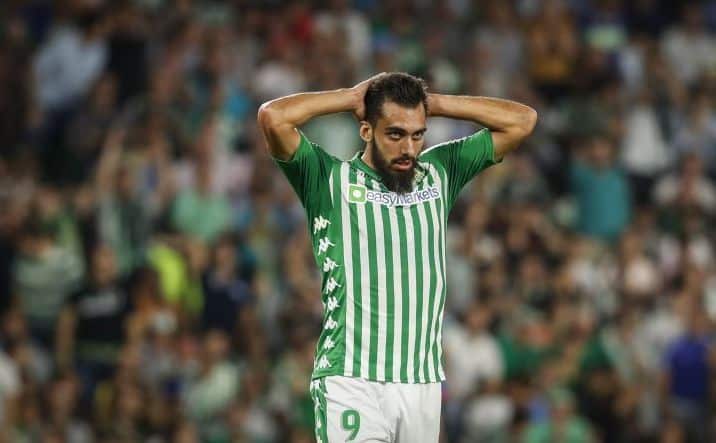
<point x="395" y="115"/>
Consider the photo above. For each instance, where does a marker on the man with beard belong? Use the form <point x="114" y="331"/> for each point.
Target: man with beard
<point x="377" y="225"/>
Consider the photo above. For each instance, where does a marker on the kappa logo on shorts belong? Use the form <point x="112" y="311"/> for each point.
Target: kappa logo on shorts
<point x="360" y="194"/>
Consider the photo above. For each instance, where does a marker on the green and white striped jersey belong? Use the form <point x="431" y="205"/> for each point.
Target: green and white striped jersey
<point x="382" y="256"/>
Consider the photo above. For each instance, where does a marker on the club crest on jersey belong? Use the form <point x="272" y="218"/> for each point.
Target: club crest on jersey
<point x="360" y="194"/>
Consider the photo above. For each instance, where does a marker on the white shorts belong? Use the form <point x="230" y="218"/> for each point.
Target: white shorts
<point x="356" y="410"/>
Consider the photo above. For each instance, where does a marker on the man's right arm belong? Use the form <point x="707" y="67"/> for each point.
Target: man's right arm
<point x="279" y="118"/>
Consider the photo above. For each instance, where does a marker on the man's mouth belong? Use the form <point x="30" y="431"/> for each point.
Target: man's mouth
<point x="405" y="164"/>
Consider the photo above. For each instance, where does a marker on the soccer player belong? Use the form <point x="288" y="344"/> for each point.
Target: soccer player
<point x="377" y="225"/>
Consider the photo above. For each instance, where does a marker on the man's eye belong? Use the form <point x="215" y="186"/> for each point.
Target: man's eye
<point x="394" y="135"/>
<point x="418" y="136"/>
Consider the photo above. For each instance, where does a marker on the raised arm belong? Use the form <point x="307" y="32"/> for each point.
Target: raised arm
<point x="109" y="161"/>
<point x="509" y="122"/>
<point x="279" y="118"/>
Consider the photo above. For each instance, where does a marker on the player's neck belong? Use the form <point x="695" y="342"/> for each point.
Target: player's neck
<point x="367" y="157"/>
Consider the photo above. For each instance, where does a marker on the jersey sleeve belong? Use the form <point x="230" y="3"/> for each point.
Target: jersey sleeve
<point x="463" y="159"/>
<point x="307" y="171"/>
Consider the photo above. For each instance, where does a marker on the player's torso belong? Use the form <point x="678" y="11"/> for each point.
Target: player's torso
<point x="382" y="256"/>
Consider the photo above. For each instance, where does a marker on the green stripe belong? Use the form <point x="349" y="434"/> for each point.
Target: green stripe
<point x="358" y="314"/>
<point x="390" y="293"/>
<point x="397" y="289"/>
<point x="373" y="269"/>
<point x="417" y="234"/>
<point x="406" y="299"/>
<point x="441" y="272"/>
<point x="432" y="254"/>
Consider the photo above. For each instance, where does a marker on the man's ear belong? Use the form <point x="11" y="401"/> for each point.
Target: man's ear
<point x="366" y="131"/>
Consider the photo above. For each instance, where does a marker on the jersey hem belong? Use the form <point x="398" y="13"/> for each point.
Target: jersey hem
<point x="321" y="374"/>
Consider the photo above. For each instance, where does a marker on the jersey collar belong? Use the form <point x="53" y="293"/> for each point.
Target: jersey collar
<point x="357" y="162"/>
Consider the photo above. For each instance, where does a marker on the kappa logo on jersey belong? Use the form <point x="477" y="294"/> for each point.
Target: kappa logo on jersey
<point x="323" y="244"/>
<point x="360" y="194"/>
<point x="320" y="223"/>
<point x="329" y="344"/>
<point x="323" y="363"/>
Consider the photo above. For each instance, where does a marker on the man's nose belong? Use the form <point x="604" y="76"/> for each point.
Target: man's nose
<point x="410" y="148"/>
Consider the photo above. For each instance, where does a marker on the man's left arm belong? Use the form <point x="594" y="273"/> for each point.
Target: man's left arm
<point x="509" y="122"/>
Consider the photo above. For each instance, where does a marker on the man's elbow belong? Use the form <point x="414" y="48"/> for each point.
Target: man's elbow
<point x="268" y="117"/>
<point x="278" y="133"/>
<point x="528" y="122"/>
<point x="511" y="138"/>
<point x="525" y="126"/>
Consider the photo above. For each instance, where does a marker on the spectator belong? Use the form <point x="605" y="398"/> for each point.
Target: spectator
<point x="473" y="360"/>
<point x="687" y="188"/>
<point x="645" y="152"/>
<point x="698" y="132"/>
<point x="73" y="58"/>
<point x="601" y="190"/>
<point x="62" y="402"/>
<point x="563" y="422"/>
<point x="227" y="294"/>
<point x="211" y="391"/>
<point x="552" y="48"/>
<point x="31" y="360"/>
<point x="351" y="23"/>
<point x="689" y="33"/>
<point x="472" y="352"/>
<point x="123" y="222"/>
<point x="85" y="132"/>
<point x="45" y="275"/>
<point x="91" y="327"/>
<point x="686" y="377"/>
<point x="199" y="211"/>
<point x="127" y="51"/>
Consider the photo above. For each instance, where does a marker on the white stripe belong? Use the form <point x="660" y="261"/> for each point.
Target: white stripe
<point x="437" y="231"/>
<point x="439" y="145"/>
<point x="348" y="268"/>
<point x="382" y="290"/>
<point x="365" y="280"/>
<point x="443" y="218"/>
<point x="397" y="294"/>
<point x="449" y="142"/>
<point x="330" y="187"/>
<point x="426" y="290"/>
<point x="412" y="294"/>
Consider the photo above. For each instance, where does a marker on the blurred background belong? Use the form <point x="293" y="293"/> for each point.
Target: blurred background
<point x="156" y="283"/>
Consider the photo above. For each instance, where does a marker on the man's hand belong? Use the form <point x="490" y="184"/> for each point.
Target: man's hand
<point x="279" y="118"/>
<point x="359" y="90"/>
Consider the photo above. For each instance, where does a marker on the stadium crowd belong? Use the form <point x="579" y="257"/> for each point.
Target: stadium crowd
<point x="156" y="280"/>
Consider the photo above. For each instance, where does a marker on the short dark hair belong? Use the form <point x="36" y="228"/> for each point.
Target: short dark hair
<point x="398" y="87"/>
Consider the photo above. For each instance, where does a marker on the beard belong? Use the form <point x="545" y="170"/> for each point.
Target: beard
<point x="400" y="182"/>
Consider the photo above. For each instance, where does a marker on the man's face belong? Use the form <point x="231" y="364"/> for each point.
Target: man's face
<point x="397" y="140"/>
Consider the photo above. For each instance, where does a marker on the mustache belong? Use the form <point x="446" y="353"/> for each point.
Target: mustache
<point x="404" y="157"/>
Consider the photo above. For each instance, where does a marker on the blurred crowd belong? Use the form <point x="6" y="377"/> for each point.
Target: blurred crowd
<point x="156" y="282"/>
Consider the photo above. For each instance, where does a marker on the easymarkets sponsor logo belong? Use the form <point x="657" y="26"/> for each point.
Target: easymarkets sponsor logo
<point x="360" y="194"/>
